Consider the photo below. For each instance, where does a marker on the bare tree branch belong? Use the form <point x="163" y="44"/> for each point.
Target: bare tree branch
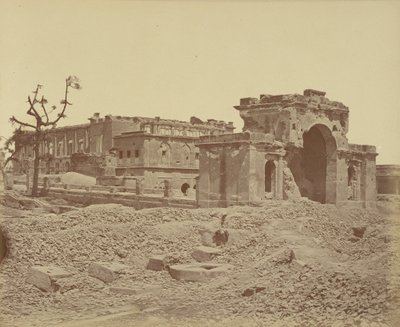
<point x="44" y="109"/>
<point x="20" y="139"/>
<point x="65" y="102"/>
<point x="13" y="119"/>
<point x="32" y="111"/>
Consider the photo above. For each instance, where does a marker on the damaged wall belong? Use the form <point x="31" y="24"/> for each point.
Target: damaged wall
<point x="296" y="145"/>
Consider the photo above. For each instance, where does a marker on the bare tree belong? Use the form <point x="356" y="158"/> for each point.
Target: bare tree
<point x="32" y="134"/>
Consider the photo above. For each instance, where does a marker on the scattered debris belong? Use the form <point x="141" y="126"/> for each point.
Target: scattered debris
<point x="309" y="282"/>
<point x="283" y="256"/>
<point x="359" y="231"/>
<point x="252" y="290"/>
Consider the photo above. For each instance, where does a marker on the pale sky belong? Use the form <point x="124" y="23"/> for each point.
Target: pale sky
<point x="178" y="59"/>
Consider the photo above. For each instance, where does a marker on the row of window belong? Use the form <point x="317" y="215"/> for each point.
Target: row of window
<point x="137" y="154"/>
<point x="128" y="154"/>
<point x="175" y="132"/>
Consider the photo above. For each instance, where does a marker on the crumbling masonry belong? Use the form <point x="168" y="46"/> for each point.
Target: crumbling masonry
<point x="291" y="146"/>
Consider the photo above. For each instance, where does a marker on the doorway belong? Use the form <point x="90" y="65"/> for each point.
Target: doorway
<point x="319" y="165"/>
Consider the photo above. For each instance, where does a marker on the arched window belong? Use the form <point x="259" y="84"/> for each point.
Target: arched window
<point x="186" y="155"/>
<point x="184" y="188"/>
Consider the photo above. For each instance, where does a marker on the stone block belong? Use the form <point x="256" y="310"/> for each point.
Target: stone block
<point x="136" y="290"/>
<point x="206" y="236"/>
<point x="157" y="263"/>
<point x="299" y="263"/>
<point x="205" y="253"/>
<point x="198" y="272"/>
<point x="106" y="271"/>
<point x="283" y="256"/>
<point x="45" y="277"/>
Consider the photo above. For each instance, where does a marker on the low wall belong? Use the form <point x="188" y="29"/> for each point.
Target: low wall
<point x="128" y="199"/>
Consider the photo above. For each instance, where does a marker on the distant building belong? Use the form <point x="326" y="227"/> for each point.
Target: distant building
<point x="291" y="145"/>
<point x="154" y="148"/>
<point x="164" y="150"/>
<point x="388" y="179"/>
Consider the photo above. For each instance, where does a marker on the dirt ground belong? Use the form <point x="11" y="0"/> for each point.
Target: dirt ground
<point x="336" y="278"/>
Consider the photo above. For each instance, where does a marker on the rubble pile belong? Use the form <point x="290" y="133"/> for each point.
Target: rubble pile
<point x="296" y="261"/>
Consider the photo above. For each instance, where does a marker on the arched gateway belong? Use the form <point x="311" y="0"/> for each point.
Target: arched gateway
<point x="319" y="165"/>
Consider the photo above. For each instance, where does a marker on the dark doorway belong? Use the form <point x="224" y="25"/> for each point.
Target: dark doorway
<point x="319" y="165"/>
<point x="269" y="176"/>
<point x="351" y="174"/>
<point x="351" y="183"/>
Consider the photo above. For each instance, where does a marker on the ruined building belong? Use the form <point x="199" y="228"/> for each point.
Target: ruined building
<point x="291" y="146"/>
<point x="163" y="150"/>
<point x="155" y="149"/>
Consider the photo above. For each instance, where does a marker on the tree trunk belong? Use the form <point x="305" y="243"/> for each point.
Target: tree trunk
<point x="35" y="171"/>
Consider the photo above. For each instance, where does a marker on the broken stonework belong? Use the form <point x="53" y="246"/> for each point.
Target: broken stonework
<point x="106" y="271"/>
<point x="206" y="235"/>
<point x="45" y="277"/>
<point x="300" y="263"/>
<point x="283" y="256"/>
<point x="157" y="263"/>
<point x="205" y="253"/>
<point x="293" y="145"/>
<point x="290" y="188"/>
<point x="198" y="272"/>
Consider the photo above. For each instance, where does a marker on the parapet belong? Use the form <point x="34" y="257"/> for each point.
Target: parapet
<point x="194" y="121"/>
<point x="362" y="148"/>
<point x="311" y="98"/>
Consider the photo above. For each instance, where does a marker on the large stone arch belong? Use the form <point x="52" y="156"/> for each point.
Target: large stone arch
<point x="319" y="164"/>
